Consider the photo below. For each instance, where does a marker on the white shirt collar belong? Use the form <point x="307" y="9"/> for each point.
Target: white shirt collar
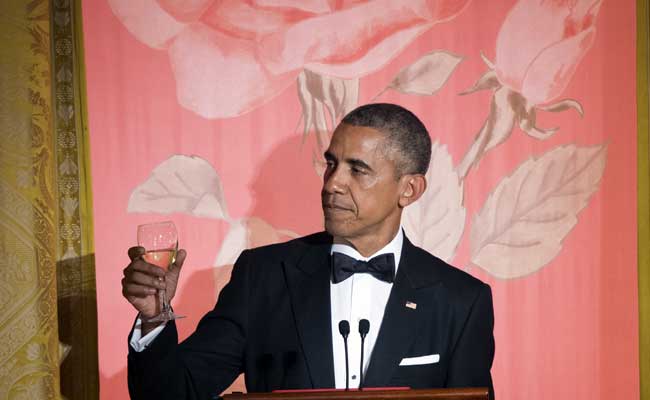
<point x="394" y="246"/>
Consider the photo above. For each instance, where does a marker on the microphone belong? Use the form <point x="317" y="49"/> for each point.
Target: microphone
<point x="364" y="327"/>
<point x="344" y="330"/>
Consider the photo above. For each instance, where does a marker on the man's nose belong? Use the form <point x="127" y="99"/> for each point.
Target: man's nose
<point x="334" y="181"/>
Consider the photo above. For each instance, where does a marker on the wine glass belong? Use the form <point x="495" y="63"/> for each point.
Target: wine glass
<point x="160" y="242"/>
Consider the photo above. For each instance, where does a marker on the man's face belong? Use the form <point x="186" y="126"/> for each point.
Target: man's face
<point x="360" y="188"/>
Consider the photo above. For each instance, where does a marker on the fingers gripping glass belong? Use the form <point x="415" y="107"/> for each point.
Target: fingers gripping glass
<point x="160" y="241"/>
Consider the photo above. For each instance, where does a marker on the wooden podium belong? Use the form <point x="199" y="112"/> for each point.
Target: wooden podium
<point x="368" y="394"/>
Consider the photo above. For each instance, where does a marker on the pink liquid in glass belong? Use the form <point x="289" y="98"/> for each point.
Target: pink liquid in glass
<point x="161" y="258"/>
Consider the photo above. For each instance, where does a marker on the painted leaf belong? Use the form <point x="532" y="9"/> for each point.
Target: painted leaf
<point x="436" y="221"/>
<point x="234" y="243"/>
<point x="247" y="233"/>
<point x="427" y="75"/>
<point x="505" y="107"/>
<point x="313" y="110"/>
<point x="340" y="96"/>
<point x="324" y="100"/>
<point x="525" y="219"/>
<point x="185" y="184"/>
<point x="564" y="105"/>
<point x="528" y="123"/>
<point x="488" y="81"/>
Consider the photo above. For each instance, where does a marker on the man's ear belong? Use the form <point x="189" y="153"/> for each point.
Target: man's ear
<point x="411" y="188"/>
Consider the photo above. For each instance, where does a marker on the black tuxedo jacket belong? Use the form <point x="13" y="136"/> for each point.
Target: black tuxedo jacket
<point x="272" y="322"/>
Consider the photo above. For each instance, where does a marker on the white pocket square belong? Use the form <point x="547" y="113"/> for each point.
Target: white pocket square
<point x="422" y="360"/>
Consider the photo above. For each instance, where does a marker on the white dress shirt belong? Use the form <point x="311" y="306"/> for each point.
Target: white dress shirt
<point x="139" y="342"/>
<point x="358" y="297"/>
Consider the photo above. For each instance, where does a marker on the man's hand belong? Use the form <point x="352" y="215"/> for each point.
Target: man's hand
<point x="141" y="281"/>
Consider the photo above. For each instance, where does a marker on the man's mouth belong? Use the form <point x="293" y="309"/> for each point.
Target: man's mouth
<point x="332" y="207"/>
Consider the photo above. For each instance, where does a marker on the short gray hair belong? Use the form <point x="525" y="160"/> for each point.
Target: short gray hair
<point x="404" y="131"/>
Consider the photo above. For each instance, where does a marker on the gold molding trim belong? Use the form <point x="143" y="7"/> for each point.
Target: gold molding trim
<point x="77" y="301"/>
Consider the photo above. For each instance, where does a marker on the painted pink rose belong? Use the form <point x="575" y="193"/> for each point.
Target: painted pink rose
<point x="540" y="44"/>
<point x="230" y="56"/>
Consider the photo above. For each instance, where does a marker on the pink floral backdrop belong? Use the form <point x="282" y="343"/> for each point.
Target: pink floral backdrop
<point x="215" y="114"/>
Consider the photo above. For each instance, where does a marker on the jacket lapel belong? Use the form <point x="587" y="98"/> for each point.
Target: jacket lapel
<point x="399" y="325"/>
<point x="308" y="280"/>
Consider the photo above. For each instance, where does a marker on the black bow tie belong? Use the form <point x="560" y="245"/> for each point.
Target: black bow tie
<point x="381" y="267"/>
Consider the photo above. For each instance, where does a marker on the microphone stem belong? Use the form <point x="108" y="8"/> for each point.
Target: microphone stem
<point x="347" y="366"/>
<point x="363" y="337"/>
<point x="344" y="330"/>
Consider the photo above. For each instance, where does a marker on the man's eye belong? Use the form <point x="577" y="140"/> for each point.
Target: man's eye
<point x="358" y="171"/>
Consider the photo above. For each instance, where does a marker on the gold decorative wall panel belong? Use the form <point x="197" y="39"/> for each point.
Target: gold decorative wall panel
<point x="29" y="346"/>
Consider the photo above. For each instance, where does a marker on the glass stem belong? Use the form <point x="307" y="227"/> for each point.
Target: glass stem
<point x="162" y="298"/>
<point x="165" y="304"/>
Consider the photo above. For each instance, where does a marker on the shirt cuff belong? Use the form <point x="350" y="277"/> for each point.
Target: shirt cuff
<point x="139" y="343"/>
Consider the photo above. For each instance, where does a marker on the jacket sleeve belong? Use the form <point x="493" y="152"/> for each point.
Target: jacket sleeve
<point x="471" y="359"/>
<point x="208" y="361"/>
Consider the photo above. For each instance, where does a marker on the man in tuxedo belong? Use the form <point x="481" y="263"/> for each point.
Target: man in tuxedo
<point x="431" y="325"/>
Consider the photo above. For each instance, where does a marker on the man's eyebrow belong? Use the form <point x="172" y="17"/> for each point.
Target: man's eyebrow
<point x="355" y="162"/>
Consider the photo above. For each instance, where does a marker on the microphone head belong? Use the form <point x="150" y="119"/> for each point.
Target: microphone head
<point x="344" y="328"/>
<point x="364" y="327"/>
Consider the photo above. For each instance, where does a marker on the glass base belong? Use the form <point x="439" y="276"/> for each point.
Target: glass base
<point x="165" y="316"/>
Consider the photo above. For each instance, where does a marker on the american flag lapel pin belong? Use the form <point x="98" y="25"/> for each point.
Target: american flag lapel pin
<point x="411" y="305"/>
